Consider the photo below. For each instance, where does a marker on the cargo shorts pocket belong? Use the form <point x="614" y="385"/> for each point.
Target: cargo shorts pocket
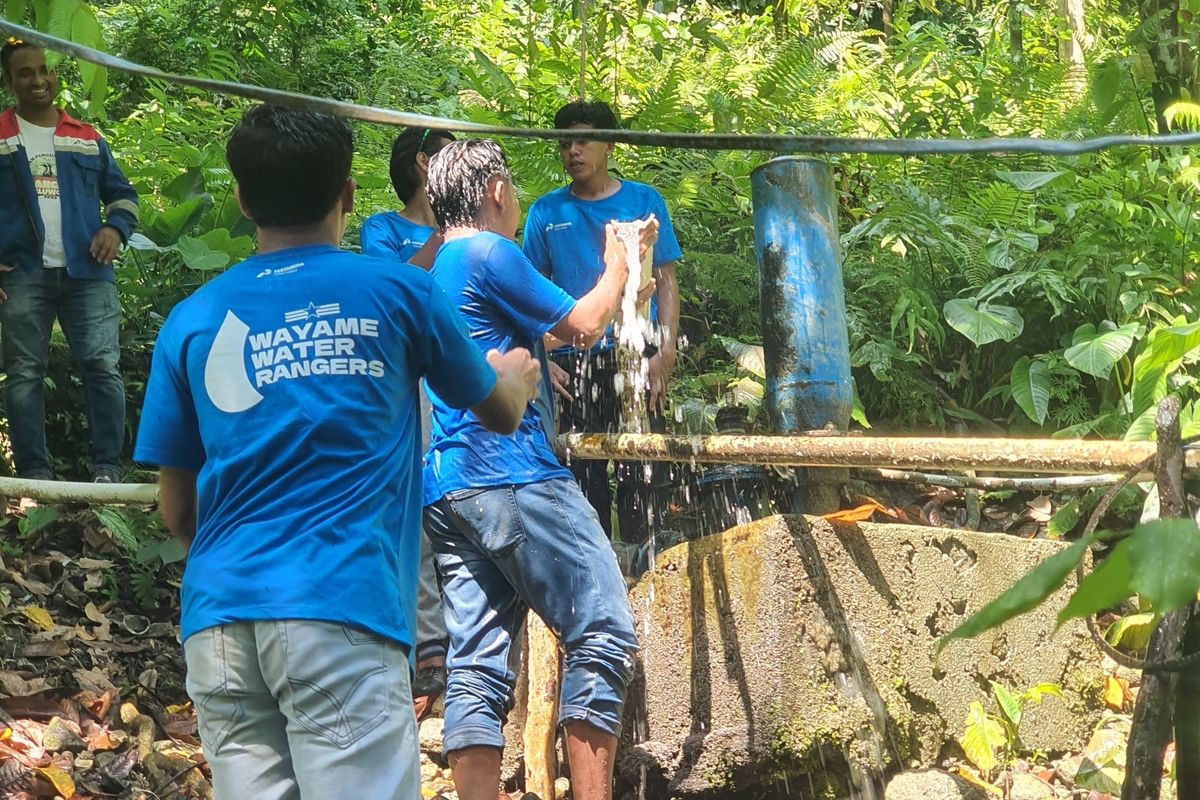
<point x="340" y="677"/>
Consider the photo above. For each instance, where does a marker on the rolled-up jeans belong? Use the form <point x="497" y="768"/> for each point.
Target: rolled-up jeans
<point x="301" y="709"/>
<point x="89" y="314"/>
<point x="502" y="551"/>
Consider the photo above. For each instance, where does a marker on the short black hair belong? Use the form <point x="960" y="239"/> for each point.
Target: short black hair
<point x="403" y="167"/>
<point x="11" y="46"/>
<point x="459" y="176"/>
<point x="290" y="165"/>
<point x="596" y="113"/>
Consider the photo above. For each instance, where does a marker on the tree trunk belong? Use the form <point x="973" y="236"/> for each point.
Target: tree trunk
<point x="1070" y="46"/>
<point x="1016" y="32"/>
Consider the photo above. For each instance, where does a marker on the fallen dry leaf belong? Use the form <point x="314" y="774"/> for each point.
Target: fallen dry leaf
<point x="39" y="617"/>
<point x="59" y="779"/>
<point x="55" y="648"/>
<point x="1116" y="693"/>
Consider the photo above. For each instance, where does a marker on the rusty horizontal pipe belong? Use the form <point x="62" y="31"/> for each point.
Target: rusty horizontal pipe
<point x="1054" y="456"/>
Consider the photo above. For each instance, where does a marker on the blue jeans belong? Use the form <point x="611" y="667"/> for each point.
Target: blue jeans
<point x="90" y="317"/>
<point x="502" y="551"/>
<point x="299" y="709"/>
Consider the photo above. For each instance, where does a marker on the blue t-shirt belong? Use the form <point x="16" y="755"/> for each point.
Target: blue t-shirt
<point x="389" y="235"/>
<point x="564" y="236"/>
<point x="506" y="304"/>
<point x="289" y="384"/>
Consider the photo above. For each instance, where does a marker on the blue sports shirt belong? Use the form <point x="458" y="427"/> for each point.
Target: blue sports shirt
<point x="564" y="236"/>
<point x="289" y="384"/>
<point x="506" y="303"/>
<point x="389" y="235"/>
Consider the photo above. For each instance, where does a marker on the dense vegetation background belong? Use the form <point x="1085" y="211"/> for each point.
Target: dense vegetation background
<point x="1021" y="293"/>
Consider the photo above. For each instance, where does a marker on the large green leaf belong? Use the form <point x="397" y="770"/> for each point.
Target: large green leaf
<point x="1008" y="704"/>
<point x="982" y="322"/>
<point x="1096" y="352"/>
<point x="1160" y="561"/>
<point x="14" y="11"/>
<point x="236" y="247"/>
<point x="199" y="256"/>
<point x="1026" y="594"/>
<point x="62" y="15"/>
<point x="166" y="227"/>
<point x="983" y="738"/>
<point x="1028" y="181"/>
<point x="1161" y="355"/>
<point x="1133" y="630"/>
<point x="85" y="30"/>
<point x="1030" y="384"/>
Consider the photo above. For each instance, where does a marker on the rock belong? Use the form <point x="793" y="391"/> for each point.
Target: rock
<point x="798" y="645"/>
<point x="431" y="737"/>
<point x="1024" y="786"/>
<point x="61" y="735"/>
<point x="429" y="772"/>
<point x="931" y="784"/>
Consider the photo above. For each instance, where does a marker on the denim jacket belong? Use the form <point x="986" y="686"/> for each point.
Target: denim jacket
<point x="87" y="177"/>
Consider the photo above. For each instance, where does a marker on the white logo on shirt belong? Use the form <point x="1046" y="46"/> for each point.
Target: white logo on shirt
<point x="312" y="312"/>
<point x="557" y="226"/>
<point x="288" y="270"/>
<point x="225" y="377"/>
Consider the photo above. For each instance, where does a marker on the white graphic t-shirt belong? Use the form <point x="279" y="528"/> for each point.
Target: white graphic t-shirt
<point x="39" y="149"/>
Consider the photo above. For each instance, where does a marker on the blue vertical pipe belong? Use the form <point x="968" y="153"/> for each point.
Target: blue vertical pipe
<point x="802" y="301"/>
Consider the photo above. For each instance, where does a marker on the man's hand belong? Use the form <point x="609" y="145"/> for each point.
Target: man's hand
<point x="615" y="260"/>
<point x="517" y="364"/>
<point x="647" y="236"/>
<point x="3" y="294"/>
<point x="661" y="365"/>
<point x="105" y="244"/>
<point x="560" y="381"/>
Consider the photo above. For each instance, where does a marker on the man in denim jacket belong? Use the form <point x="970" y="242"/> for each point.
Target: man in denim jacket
<point x="56" y="261"/>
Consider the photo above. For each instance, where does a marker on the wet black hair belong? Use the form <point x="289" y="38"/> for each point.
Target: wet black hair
<point x="290" y="165"/>
<point x="403" y="167"/>
<point x="458" y="179"/>
<point x="596" y="113"/>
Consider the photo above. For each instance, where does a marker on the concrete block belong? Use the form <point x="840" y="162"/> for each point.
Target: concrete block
<point x="794" y="649"/>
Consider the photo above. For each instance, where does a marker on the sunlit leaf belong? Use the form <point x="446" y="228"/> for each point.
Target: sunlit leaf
<point x="983" y="738"/>
<point x="39" y="617"/>
<point x="983" y="322"/>
<point x="1029" y="181"/>
<point x="59" y="779"/>
<point x="1096" y="353"/>
<point x="1132" y="631"/>
<point x="1030" y="384"/>
<point x="1008" y="704"/>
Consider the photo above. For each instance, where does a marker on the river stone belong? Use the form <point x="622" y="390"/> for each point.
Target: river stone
<point x="931" y="784"/>
<point x="792" y="647"/>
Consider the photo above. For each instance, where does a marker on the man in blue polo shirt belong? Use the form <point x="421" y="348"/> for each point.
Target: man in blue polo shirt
<point x="281" y="410"/>
<point x="564" y="238"/>
<point x="510" y="527"/>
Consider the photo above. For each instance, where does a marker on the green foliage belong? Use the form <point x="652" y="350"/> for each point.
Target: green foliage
<point x="990" y="740"/>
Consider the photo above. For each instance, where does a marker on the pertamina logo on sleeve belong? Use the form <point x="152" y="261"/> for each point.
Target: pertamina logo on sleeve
<point x="313" y="342"/>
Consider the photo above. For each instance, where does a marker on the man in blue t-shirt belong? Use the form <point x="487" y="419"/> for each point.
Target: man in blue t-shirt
<point x="281" y="410"/>
<point x="412" y="235"/>
<point x="564" y="238"/>
<point x="510" y="527"/>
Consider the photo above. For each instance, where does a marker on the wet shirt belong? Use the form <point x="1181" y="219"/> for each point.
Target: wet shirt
<point x="289" y="384"/>
<point x="389" y="235"/>
<point x="564" y="237"/>
<point x="506" y="304"/>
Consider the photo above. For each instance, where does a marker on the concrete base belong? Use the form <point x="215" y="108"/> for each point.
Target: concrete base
<point x="800" y="653"/>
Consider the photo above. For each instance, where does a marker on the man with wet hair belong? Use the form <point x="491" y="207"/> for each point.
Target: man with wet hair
<point x="281" y="411"/>
<point x="56" y="254"/>
<point x="412" y="235"/>
<point x="509" y="525"/>
<point x="564" y="238"/>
